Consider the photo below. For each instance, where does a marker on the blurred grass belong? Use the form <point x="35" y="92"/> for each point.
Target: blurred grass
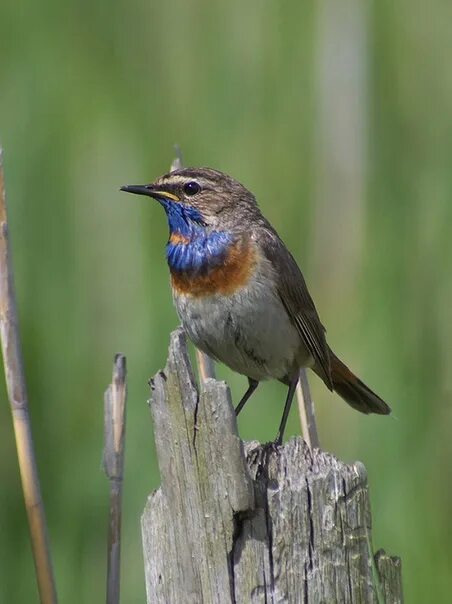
<point x="94" y="95"/>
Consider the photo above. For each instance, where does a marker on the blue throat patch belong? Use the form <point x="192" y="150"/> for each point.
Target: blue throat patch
<point x="198" y="250"/>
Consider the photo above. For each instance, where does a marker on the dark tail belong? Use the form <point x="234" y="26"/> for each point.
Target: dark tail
<point x="354" y="391"/>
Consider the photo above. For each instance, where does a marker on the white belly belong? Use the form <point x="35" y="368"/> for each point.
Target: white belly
<point x="249" y="331"/>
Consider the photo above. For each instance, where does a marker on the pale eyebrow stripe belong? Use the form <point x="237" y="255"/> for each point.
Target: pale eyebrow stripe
<point x="180" y="179"/>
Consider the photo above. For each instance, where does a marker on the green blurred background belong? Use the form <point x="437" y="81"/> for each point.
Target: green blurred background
<point x="338" y="117"/>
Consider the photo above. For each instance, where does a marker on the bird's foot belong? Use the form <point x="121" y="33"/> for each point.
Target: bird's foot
<point x="272" y="446"/>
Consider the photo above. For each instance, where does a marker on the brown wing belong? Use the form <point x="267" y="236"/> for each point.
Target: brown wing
<point x="298" y="303"/>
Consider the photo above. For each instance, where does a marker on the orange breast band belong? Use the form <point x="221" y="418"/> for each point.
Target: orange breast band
<point x="235" y="272"/>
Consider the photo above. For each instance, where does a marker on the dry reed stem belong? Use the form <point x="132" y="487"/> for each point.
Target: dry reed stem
<point x="114" y="416"/>
<point x="307" y="412"/>
<point x="17" y="394"/>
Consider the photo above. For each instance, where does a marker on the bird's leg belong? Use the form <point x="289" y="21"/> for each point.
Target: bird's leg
<point x="253" y="384"/>
<point x="285" y="415"/>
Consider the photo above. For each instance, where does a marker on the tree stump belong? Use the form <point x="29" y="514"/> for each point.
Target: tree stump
<point x="240" y="523"/>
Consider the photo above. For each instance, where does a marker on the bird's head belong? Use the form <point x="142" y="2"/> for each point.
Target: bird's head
<point x="201" y="196"/>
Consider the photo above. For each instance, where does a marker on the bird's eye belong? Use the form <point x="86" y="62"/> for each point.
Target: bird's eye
<point x="191" y="188"/>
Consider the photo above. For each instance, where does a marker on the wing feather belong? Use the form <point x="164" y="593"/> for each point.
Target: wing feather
<point x="294" y="295"/>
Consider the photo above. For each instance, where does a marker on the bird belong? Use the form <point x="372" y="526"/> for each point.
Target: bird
<point x="239" y="293"/>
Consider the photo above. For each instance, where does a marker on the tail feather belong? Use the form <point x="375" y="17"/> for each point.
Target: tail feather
<point x="354" y="391"/>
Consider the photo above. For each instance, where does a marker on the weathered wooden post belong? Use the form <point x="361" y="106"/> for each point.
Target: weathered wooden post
<point x="235" y="523"/>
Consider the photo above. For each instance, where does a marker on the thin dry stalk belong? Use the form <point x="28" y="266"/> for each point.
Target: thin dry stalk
<point x="177" y="163"/>
<point x="17" y="394"/>
<point x="206" y="366"/>
<point x="307" y="412"/>
<point x="115" y="416"/>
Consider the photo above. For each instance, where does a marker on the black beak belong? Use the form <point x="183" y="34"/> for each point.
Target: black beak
<point x="150" y="192"/>
<point x="138" y="189"/>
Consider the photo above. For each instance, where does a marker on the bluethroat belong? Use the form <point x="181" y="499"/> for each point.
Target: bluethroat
<point x="238" y="291"/>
